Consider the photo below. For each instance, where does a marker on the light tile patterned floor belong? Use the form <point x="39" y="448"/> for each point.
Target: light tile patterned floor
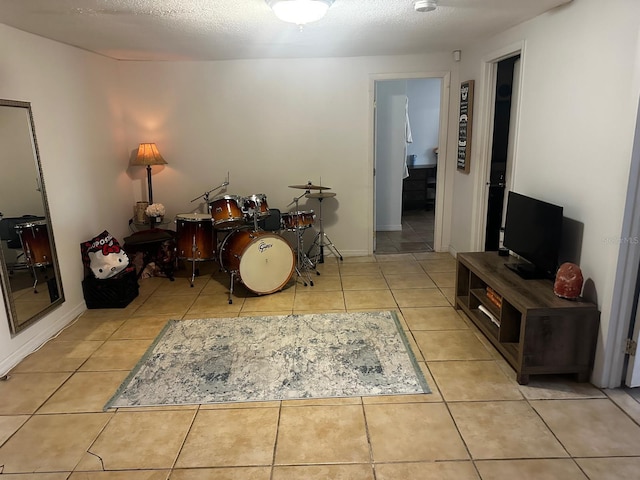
<point x="477" y="424"/>
<point x="416" y="235"/>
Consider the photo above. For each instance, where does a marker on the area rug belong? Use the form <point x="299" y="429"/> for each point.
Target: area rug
<point x="273" y="358"/>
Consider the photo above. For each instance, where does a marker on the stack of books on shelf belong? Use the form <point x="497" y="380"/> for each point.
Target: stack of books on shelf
<point x="494" y="297"/>
<point x="496" y="300"/>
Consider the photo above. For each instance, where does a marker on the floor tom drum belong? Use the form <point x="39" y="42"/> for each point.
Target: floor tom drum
<point x="195" y="237"/>
<point x="35" y="242"/>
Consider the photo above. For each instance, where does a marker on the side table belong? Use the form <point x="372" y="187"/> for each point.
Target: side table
<point x="156" y="245"/>
<point x="136" y="226"/>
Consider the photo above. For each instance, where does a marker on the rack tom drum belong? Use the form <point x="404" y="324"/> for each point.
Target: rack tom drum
<point x="256" y="205"/>
<point x="227" y="212"/>
<point x="302" y="220"/>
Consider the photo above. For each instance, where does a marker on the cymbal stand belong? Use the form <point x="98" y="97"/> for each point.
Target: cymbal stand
<point x="253" y="213"/>
<point x="322" y="240"/>
<point x="302" y="261"/>
<point x="205" y="195"/>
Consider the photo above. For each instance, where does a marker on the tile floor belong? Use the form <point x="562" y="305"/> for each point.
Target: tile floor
<point x="416" y="234"/>
<point x="477" y="424"/>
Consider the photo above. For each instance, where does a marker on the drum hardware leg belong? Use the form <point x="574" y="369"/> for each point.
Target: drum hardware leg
<point x="303" y="262"/>
<point x="35" y="277"/>
<point x="322" y="240"/>
<point x="231" y="289"/>
<point x="193" y="272"/>
<point x="30" y="262"/>
<point x="300" y="275"/>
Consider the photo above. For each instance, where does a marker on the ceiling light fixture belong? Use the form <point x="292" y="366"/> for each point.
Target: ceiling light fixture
<point x="299" y="12"/>
<point x="425" y="5"/>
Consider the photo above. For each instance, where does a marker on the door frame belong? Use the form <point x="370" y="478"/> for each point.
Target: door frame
<point x="625" y="286"/>
<point x="488" y="77"/>
<point x="445" y="78"/>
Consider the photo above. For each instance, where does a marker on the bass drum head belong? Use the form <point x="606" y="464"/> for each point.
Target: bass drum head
<point x="267" y="263"/>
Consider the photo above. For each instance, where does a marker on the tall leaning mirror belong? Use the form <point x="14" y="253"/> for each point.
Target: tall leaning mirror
<point x="29" y="271"/>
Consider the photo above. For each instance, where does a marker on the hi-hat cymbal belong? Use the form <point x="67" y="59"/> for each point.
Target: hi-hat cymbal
<point x="321" y="195"/>
<point x="309" y="186"/>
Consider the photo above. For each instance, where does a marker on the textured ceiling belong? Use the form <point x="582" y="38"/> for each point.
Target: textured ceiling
<point x="234" y="29"/>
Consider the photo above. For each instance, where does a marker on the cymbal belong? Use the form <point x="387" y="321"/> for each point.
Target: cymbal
<point x="321" y="195"/>
<point x="309" y="186"/>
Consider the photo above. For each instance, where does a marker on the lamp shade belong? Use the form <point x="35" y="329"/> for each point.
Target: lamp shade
<point x="299" y="12"/>
<point x="148" y="154"/>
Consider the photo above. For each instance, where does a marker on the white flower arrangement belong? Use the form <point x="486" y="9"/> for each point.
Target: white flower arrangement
<point x="155" y="210"/>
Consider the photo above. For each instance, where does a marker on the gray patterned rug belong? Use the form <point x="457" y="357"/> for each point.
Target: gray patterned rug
<point x="273" y="358"/>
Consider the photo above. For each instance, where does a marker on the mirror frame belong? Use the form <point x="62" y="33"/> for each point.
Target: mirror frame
<point x="15" y="325"/>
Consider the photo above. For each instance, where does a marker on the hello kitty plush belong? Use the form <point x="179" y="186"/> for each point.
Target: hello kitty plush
<point x="106" y="266"/>
<point x="104" y="256"/>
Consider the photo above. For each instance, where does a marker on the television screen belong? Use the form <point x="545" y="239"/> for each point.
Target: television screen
<point x="533" y="231"/>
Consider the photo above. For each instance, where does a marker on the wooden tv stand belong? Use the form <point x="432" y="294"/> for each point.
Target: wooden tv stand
<point x="534" y="330"/>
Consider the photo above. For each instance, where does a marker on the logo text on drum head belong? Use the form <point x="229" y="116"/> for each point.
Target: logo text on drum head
<point x="263" y="246"/>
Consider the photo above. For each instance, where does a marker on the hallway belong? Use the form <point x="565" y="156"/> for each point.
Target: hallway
<point x="416" y="235"/>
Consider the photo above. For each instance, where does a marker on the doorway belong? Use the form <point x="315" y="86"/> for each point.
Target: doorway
<point x="504" y="115"/>
<point x="407" y="131"/>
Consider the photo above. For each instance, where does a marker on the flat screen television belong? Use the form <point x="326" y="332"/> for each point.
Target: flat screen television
<point x="533" y="231"/>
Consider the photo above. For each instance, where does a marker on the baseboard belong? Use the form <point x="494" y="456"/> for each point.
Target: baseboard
<point x="389" y="228"/>
<point x="40" y="339"/>
<point x="346" y="253"/>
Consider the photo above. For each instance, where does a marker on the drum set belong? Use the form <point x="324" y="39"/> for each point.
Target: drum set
<point x="239" y="233"/>
<point x="34" y="237"/>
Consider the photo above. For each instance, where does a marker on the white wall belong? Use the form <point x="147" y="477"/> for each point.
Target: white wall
<point x="18" y="167"/>
<point x="73" y="96"/>
<point x="577" y="119"/>
<point x="391" y="101"/>
<point x="424" y="115"/>
<point x="270" y="123"/>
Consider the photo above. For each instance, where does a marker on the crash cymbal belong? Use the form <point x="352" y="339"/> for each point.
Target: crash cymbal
<point x="321" y="195"/>
<point x="309" y="186"/>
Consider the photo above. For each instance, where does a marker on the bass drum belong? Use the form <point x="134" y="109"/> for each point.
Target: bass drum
<point x="264" y="262"/>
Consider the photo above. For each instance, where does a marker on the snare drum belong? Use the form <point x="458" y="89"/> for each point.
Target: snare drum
<point x="35" y="242"/>
<point x="195" y="237"/>
<point x="263" y="261"/>
<point x="256" y="205"/>
<point x="302" y="220"/>
<point x="226" y="212"/>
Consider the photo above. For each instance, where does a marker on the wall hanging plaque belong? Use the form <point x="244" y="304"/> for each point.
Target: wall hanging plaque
<point x="465" y="121"/>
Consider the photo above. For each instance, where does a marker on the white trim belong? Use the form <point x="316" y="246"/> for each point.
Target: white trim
<point x="442" y="150"/>
<point x="438" y="232"/>
<point x="40" y="339"/>
<point x="626" y="276"/>
<point x="389" y="228"/>
<point x="484" y="127"/>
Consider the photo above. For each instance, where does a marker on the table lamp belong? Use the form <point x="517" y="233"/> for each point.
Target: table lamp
<point x="149" y="155"/>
